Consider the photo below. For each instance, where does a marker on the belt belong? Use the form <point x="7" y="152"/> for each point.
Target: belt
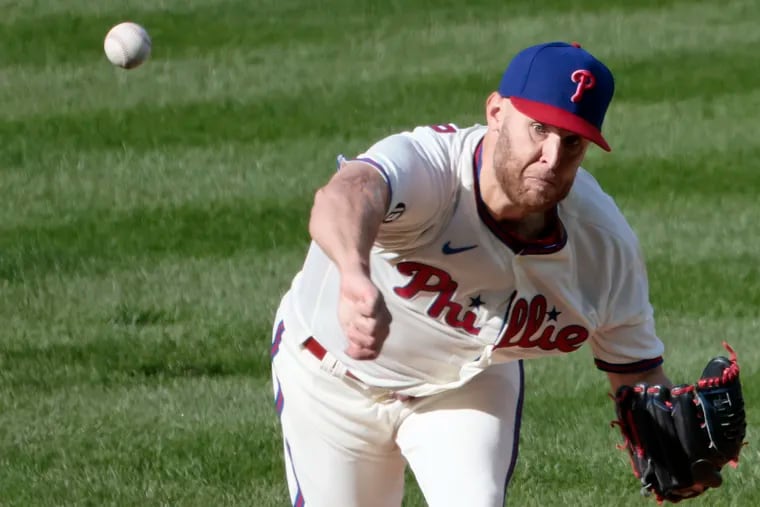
<point x="318" y="351"/>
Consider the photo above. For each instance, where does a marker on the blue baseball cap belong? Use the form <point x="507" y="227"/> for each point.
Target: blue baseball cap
<point x="562" y="85"/>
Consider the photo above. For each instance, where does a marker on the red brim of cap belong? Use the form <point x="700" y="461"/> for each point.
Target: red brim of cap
<point x="560" y="118"/>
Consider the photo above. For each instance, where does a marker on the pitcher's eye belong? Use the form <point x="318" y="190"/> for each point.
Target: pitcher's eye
<point x="572" y="141"/>
<point x="539" y="127"/>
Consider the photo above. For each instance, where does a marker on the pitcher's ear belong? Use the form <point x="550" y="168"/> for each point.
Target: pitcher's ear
<point x="496" y="108"/>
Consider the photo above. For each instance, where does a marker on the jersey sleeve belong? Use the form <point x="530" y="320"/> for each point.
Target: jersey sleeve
<point x="421" y="179"/>
<point x="626" y="341"/>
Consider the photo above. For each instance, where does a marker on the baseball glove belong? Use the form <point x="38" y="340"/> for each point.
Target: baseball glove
<point x="681" y="437"/>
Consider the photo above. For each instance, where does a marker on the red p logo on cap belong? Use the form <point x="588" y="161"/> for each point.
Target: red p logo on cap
<point x="585" y="80"/>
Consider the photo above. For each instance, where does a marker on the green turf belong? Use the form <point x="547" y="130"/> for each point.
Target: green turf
<point x="151" y="219"/>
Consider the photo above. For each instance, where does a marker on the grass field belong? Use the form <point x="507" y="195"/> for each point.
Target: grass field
<point x="151" y="219"/>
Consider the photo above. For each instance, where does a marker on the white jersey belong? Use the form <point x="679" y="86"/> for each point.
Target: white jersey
<point x="465" y="293"/>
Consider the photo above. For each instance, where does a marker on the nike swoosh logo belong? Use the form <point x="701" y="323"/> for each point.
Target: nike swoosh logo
<point x="449" y="250"/>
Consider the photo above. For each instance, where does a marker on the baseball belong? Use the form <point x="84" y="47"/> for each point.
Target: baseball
<point x="127" y="45"/>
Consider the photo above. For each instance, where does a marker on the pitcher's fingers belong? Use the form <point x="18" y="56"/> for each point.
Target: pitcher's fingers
<point x="366" y="307"/>
<point x="355" y="351"/>
<point x="371" y="326"/>
<point x="362" y="339"/>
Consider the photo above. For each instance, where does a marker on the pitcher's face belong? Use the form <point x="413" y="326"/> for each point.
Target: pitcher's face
<point x="535" y="163"/>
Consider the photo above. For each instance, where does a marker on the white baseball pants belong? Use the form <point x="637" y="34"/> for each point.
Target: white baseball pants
<point x="347" y="445"/>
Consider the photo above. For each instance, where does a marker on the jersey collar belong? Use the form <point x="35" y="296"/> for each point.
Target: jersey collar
<point x="554" y="241"/>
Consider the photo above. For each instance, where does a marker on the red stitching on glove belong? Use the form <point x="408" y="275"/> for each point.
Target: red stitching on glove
<point x="677" y="391"/>
<point x="729" y="374"/>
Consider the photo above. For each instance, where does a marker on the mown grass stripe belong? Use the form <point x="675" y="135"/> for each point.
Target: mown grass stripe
<point x="272" y="119"/>
<point x="233" y="293"/>
<point x="139" y="353"/>
<point x="697" y="127"/>
<point x="672" y="286"/>
<point x="685" y="232"/>
<point x="711" y="174"/>
<point x="60" y="187"/>
<point x="123" y="9"/>
<point x="70" y="36"/>
<point x="97" y="243"/>
<point x="174" y="440"/>
<point x="211" y="72"/>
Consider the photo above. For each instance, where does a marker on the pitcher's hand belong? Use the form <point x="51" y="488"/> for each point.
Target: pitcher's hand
<point x="363" y="315"/>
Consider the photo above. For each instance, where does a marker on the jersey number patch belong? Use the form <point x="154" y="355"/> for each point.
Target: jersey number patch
<point x="444" y="128"/>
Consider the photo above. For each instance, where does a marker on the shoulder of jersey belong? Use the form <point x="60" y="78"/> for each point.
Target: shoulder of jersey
<point x="447" y="136"/>
<point x="591" y="206"/>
